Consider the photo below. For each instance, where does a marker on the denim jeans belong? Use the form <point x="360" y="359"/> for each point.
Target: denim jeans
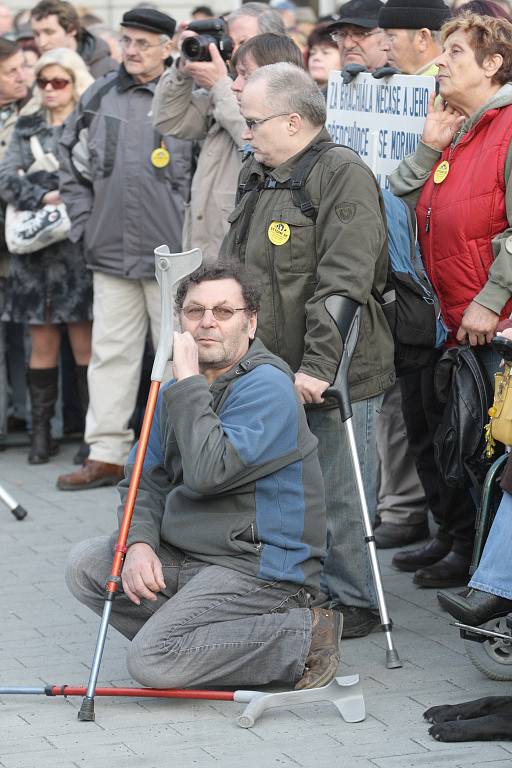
<point x="494" y="572"/>
<point x="210" y="626"/>
<point x="346" y="576"/>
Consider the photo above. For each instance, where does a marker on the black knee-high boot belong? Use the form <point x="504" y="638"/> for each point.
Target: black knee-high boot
<point x="43" y="388"/>
<point x="83" y="394"/>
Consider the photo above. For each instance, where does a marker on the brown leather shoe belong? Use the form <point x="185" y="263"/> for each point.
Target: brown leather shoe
<point x="92" y="474"/>
<point x="324" y="651"/>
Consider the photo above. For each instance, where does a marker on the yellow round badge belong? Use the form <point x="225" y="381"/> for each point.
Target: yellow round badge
<point x="441" y="172"/>
<point x="160" y="157"/>
<point x="278" y="233"/>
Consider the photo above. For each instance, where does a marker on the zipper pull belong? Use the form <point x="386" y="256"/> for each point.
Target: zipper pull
<point x="427" y="223"/>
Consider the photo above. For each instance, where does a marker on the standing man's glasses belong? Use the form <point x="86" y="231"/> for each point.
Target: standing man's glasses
<point x="139" y="45"/>
<point x="251" y="124"/>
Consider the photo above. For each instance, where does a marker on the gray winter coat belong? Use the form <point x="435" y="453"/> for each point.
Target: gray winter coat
<point x="117" y="200"/>
<point x="231" y="474"/>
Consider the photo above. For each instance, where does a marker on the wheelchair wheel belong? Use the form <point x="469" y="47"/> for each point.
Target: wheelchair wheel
<point x="493" y="657"/>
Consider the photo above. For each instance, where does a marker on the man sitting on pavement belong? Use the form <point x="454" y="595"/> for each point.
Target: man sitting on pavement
<point x="225" y="546"/>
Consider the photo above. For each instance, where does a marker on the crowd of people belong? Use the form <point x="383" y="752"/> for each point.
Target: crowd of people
<point x="247" y="551"/>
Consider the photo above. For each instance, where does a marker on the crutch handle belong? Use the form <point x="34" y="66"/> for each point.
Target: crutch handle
<point x="346" y="314"/>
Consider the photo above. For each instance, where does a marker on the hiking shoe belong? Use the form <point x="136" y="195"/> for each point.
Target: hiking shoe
<point x="324" y="651"/>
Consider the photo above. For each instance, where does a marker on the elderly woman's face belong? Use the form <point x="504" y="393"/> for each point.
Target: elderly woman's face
<point x="459" y="71"/>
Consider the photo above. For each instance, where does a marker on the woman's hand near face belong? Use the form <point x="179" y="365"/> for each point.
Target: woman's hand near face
<point x="441" y="125"/>
<point x="52" y="198"/>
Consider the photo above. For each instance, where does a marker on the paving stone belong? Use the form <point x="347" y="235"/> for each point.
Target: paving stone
<point x="46" y="636"/>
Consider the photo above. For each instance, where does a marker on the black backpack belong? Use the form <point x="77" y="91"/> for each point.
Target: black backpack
<point x="462" y="383"/>
<point x="408" y="301"/>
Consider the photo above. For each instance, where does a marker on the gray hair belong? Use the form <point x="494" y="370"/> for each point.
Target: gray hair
<point x="268" y="19"/>
<point x="290" y="89"/>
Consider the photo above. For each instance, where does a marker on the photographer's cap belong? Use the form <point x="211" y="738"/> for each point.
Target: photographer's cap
<point x="150" y="20"/>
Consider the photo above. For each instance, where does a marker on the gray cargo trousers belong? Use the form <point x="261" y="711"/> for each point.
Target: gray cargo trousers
<point x="211" y="626"/>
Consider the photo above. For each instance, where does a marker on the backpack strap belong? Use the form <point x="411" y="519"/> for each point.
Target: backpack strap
<point x="300" y="174"/>
<point x="297" y="181"/>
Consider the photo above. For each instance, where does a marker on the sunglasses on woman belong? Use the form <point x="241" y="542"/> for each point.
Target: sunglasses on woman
<point x="57" y="83"/>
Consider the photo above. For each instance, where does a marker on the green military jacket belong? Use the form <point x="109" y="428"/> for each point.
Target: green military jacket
<point x="343" y="252"/>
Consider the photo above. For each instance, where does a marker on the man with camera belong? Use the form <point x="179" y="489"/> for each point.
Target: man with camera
<point x="228" y="531"/>
<point x="194" y="100"/>
<point x="125" y="188"/>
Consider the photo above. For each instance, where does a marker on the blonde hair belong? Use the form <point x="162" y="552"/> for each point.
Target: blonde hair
<point x="487" y="35"/>
<point x="71" y="63"/>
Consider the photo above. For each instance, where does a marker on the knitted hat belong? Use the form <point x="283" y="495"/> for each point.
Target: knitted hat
<point x="414" y="14"/>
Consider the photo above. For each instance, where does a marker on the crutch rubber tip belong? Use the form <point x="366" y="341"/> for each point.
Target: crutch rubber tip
<point x="19" y="512"/>
<point x="392" y="659"/>
<point x="245" y="721"/>
<point x="86" y="713"/>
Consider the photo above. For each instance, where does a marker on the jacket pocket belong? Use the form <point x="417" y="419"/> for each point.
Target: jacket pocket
<point x="298" y="253"/>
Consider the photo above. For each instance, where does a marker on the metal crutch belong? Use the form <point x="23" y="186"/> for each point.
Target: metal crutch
<point x="18" y="511"/>
<point x="346" y="314"/>
<point x="170" y="268"/>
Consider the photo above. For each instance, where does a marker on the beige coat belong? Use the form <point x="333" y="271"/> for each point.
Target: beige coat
<point x="214" y="116"/>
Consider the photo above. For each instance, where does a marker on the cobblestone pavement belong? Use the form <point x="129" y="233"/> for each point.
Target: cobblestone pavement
<point x="46" y="637"/>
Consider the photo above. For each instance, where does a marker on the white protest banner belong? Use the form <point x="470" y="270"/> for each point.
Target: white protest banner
<point x="382" y="120"/>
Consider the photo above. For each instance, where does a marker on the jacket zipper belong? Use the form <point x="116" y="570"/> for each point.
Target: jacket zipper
<point x="257" y="544"/>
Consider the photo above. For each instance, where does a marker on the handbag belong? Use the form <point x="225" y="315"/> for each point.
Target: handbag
<point x="500" y="425"/>
<point x="30" y="231"/>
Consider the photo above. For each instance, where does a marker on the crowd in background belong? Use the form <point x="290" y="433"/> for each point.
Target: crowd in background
<point x="148" y="145"/>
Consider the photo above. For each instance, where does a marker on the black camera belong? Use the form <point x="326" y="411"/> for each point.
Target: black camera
<point x="208" y="31"/>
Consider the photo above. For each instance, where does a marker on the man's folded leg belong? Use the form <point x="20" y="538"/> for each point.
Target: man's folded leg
<point x="224" y="628"/>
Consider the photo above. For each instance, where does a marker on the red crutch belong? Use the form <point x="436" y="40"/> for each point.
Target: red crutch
<point x="169" y="269"/>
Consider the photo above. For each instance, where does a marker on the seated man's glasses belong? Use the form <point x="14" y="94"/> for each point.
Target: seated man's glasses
<point x="220" y="312"/>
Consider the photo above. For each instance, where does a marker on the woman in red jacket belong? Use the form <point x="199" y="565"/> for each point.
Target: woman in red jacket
<point x="460" y="176"/>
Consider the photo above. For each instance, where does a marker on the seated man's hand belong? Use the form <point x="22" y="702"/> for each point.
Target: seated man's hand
<point x="478" y="325"/>
<point x="142" y="574"/>
<point x="206" y="73"/>
<point x="310" y="389"/>
<point x="185" y="356"/>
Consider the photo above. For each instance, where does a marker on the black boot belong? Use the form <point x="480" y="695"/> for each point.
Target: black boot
<point x="43" y="388"/>
<point x="83" y="393"/>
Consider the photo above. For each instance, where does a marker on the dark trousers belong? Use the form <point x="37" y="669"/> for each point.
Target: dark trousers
<point x="452" y="508"/>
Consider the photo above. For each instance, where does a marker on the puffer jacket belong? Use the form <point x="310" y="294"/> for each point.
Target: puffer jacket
<point x="121" y="204"/>
<point x="231" y="474"/>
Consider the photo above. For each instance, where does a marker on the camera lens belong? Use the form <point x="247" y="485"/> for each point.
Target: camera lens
<point x="196" y="48"/>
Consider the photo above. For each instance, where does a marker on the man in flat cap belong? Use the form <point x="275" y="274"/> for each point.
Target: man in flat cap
<point x="125" y="187"/>
<point x="357" y="33"/>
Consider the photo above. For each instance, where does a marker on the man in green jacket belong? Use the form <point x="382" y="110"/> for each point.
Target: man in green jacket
<point x="299" y="261"/>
